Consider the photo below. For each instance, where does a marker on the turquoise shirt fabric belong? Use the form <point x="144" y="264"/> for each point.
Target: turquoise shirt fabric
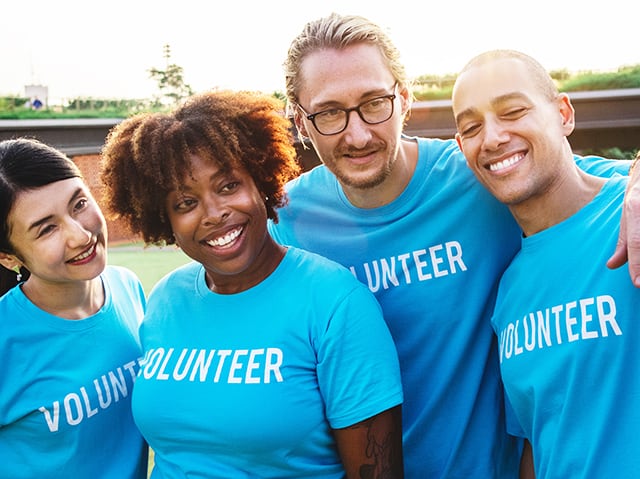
<point x="433" y="258"/>
<point x="66" y="387"/>
<point x="251" y="384"/>
<point x="569" y="330"/>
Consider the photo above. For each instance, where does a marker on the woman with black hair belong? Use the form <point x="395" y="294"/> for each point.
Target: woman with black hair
<point x="69" y="346"/>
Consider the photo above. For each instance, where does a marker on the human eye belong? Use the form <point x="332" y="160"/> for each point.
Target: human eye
<point x="183" y="204"/>
<point x="81" y="204"/>
<point x="468" y="130"/>
<point x="45" y="229"/>
<point x="514" y="112"/>
<point x="230" y="186"/>
<point x="376" y="104"/>
<point x="330" y="115"/>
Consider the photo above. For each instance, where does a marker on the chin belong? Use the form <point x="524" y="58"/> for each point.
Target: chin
<point x="370" y="179"/>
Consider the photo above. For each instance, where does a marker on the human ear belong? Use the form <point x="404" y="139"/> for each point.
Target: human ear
<point x="459" y="142"/>
<point x="300" y="126"/>
<point x="9" y="261"/>
<point x="567" y="112"/>
<point x="405" y="99"/>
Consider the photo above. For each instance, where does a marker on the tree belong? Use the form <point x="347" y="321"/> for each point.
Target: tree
<point x="170" y="80"/>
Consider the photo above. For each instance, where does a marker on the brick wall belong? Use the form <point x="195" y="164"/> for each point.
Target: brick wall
<point x="90" y="167"/>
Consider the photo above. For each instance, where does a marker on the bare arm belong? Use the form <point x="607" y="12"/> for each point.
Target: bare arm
<point x="526" y="462"/>
<point x="372" y="449"/>
<point x="628" y="247"/>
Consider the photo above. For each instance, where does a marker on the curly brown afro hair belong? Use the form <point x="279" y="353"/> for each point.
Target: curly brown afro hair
<point x="147" y="155"/>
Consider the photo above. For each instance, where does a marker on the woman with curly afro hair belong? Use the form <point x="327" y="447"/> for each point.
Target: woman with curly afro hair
<point x="260" y="360"/>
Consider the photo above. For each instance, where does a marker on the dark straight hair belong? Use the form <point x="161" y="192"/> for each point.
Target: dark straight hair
<point x="26" y="164"/>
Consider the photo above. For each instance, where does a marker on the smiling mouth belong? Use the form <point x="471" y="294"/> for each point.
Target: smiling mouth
<point x="227" y="239"/>
<point x="501" y="165"/>
<point x="82" y="256"/>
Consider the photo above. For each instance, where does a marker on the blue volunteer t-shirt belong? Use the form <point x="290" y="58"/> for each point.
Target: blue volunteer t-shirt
<point x="251" y="384"/>
<point x="569" y="330"/>
<point x="66" y="386"/>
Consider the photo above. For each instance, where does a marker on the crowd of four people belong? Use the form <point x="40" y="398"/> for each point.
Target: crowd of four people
<point x="413" y="307"/>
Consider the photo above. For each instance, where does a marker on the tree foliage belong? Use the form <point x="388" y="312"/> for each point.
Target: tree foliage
<point x="171" y="85"/>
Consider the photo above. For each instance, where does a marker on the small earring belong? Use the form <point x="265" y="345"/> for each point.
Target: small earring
<point x="18" y="275"/>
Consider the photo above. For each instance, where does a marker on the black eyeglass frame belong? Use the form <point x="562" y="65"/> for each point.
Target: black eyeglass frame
<point x="312" y="116"/>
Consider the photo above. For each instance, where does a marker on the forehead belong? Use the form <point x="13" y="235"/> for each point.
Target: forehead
<point x="343" y="75"/>
<point x="52" y="199"/>
<point x="492" y="79"/>
<point x="204" y="168"/>
<point x="199" y="161"/>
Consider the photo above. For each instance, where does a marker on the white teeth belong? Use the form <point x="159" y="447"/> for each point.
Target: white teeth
<point x="226" y="239"/>
<point x="501" y="165"/>
<point x="86" y="254"/>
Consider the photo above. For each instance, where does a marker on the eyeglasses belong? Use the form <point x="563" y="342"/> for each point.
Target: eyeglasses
<point x="335" y="120"/>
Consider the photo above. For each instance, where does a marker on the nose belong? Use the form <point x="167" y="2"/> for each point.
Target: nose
<point x="494" y="134"/>
<point x="77" y="234"/>
<point x="215" y="211"/>
<point x="357" y="133"/>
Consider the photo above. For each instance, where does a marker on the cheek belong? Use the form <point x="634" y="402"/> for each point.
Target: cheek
<point x="96" y="221"/>
<point x="322" y="142"/>
<point x="43" y="255"/>
<point x="180" y="225"/>
<point x="469" y="150"/>
<point x="256" y="206"/>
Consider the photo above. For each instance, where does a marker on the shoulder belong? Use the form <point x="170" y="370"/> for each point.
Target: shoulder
<point x="443" y="159"/>
<point x="438" y="148"/>
<point x="120" y="273"/>
<point x="180" y="279"/>
<point x="314" y="194"/>
<point x="605" y="167"/>
<point x="614" y="190"/>
<point x="435" y="144"/>
<point x="8" y="305"/>
<point x="124" y="288"/>
<point x="314" y="269"/>
<point x="121" y="277"/>
<point x="316" y="181"/>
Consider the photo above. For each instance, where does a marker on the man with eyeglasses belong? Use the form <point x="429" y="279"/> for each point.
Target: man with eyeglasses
<point x="409" y="219"/>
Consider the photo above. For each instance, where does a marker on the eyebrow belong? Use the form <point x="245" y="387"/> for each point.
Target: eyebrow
<point x="36" y="224"/>
<point x="495" y="102"/>
<point x="183" y="187"/>
<point x="369" y="95"/>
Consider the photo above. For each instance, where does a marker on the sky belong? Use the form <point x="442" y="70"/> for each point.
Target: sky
<point x="81" y="48"/>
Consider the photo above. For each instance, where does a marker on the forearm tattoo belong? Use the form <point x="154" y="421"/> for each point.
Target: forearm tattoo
<point x="385" y="458"/>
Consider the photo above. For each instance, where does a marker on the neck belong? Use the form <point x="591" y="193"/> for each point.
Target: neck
<point x="70" y="300"/>
<point x="393" y="185"/>
<point x="265" y="263"/>
<point x="566" y="195"/>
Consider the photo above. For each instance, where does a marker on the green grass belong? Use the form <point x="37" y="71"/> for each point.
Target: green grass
<point x="150" y="263"/>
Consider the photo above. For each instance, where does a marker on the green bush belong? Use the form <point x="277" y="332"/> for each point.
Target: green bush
<point x="432" y="87"/>
<point x="615" y="152"/>
<point x="625" y="77"/>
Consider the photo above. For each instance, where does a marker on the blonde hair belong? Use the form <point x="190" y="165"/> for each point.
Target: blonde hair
<point x="338" y="32"/>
